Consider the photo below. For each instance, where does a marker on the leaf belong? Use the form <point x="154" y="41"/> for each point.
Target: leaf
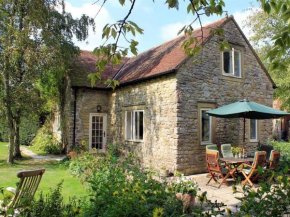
<point x="181" y="30"/>
<point x="114" y="33"/>
<point x="122" y="2"/>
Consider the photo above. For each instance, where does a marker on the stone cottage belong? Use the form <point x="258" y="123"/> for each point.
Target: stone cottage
<point x="159" y="108"/>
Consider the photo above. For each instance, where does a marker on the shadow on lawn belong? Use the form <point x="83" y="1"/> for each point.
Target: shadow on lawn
<point x="28" y="162"/>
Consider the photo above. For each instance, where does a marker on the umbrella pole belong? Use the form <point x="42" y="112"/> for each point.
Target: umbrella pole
<point x="244" y="132"/>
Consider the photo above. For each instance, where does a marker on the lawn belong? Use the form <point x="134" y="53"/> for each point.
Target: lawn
<point x="55" y="173"/>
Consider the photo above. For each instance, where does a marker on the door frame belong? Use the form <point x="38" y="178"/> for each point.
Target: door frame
<point x="104" y="145"/>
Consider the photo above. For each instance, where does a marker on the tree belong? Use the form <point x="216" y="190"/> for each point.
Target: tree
<point x="264" y="27"/>
<point x="35" y="40"/>
<point x="111" y="52"/>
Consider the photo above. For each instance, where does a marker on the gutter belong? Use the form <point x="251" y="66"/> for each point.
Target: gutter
<point x="75" y="114"/>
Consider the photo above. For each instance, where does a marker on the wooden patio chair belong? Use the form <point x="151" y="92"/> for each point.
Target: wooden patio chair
<point x="226" y="150"/>
<point x="24" y="193"/>
<point x="215" y="169"/>
<point x="274" y="159"/>
<point x="250" y="172"/>
<point x="211" y="147"/>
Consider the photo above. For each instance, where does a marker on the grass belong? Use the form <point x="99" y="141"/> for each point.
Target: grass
<point x="55" y="172"/>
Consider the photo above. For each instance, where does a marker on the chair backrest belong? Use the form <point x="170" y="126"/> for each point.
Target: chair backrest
<point x="29" y="181"/>
<point x="266" y="148"/>
<point x="259" y="159"/>
<point x="226" y="150"/>
<point x="212" y="160"/>
<point x="274" y="159"/>
<point x="211" y="147"/>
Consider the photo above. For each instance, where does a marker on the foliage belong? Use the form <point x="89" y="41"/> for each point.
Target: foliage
<point x="265" y="26"/>
<point x="284" y="148"/>
<point x="83" y="166"/>
<point x="51" y="204"/>
<point x="115" y="150"/>
<point x="45" y="141"/>
<point x="182" y="184"/>
<point x="34" y="43"/>
<point x="268" y="200"/>
<point x="28" y="130"/>
<point x="119" y="188"/>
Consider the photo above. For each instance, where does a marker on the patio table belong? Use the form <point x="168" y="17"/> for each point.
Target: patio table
<point x="235" y="162"/>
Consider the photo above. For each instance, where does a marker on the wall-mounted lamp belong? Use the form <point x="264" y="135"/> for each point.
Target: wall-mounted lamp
<point x="99" y="108"/>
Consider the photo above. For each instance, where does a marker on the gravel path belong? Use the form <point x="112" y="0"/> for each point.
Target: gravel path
<point x="39" y="157"/>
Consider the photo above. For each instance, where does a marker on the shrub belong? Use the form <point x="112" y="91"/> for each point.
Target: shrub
<point x="270" y="199"/>
<point x="28" y="129"/>
<point x="49" y="205"/>
<point x="83" y="166"/>
<point x="45" y="141"/>
<point x="284" y="148"/>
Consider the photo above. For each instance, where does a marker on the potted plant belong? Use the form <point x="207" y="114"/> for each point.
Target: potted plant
<point x="235" y="151"/>
<point x="185" y="189"/>
<point x="164" y="172"/>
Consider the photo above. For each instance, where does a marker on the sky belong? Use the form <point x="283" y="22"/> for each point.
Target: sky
<point x="160" y="24"/>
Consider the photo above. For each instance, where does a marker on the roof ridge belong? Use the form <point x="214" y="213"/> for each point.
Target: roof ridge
<point x="179" y="36"/>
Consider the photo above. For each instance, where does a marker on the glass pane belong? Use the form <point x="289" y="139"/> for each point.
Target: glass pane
<point x="136" y="126"/>
<point x="140" y="125"/>
<point x="129" y="125"/>
<point x="237" y="63"/>
<point x="253" y="129"/>
<point x="228" y="62"/>
<point x="205" y="126"/>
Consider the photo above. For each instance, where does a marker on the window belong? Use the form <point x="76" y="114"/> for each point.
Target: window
<point x="134" y="125"/>
<point x="253" y="130"/>
<point x="205" y="126"/>
<point x="232" y="63"/>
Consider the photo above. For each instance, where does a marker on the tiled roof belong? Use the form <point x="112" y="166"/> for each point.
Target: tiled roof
<point x="156" y="61"/>
<point x="165" y="57"/>
<point x="86" y="64"/>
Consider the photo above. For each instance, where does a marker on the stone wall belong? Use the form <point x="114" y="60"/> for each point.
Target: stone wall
<point x="204" y="83"/>
<point x="157" y="97"/>
<point x="87" y="102"/>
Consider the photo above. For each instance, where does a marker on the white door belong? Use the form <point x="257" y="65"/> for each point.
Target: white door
<point x="98" y="128"/>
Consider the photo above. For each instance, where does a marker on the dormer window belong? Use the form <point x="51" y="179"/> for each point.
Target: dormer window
<point x="232" y="63"/>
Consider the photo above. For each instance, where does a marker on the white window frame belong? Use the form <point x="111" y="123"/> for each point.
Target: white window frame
<point x="133" y="126"/>
<point x="256" y="130"/>
<point x="210" y="127"/>
<point x="233" y="63"/>
<point x="104" y="115"/>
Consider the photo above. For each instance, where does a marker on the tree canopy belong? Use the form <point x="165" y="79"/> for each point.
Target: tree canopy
<point x="264" y="27"/>
<point x="35" y="44"/>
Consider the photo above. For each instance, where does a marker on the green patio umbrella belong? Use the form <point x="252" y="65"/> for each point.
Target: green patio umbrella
<point x="246" y="109"/>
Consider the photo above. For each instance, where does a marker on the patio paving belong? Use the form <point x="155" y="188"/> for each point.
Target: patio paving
<point x="223" y="194"/>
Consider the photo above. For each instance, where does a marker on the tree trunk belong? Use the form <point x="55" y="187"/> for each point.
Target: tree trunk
<point x="9" y="116"/>
<point x="17" y="153"/>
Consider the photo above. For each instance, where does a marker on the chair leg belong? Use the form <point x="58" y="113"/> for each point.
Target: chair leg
<point x="224" y="180"/>
<point x="212" y="177"/>
<point x="247" y="179"/>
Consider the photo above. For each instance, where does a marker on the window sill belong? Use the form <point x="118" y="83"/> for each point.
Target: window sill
<point x="134" y="140"/>
<point x="206" y="143"/>
<point x="232" y="78"/>
<point x="253" y="140"/>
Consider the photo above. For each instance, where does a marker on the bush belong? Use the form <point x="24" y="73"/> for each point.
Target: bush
<point x="27" y="131"/>
<point x="48" y="205"/>
<point x="284" y="148"/>
<point x="83" y="166"/>
<point x="45" y="141"/>
<point x="121" y="189"/>
<point x="270" y="199"/>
